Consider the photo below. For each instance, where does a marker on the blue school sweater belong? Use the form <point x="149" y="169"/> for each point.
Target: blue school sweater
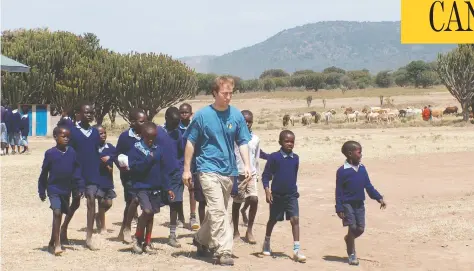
<point x="125" y="143"/>
<point x="282" y="170"/>
<point x="350" y="185"/>
<point x="60" y="173"/>
<point x="13" y="122"/>
<point x="25" y="125"/>
<point x="146" y="171"/>
<point x="107" y="178"/>
<point x="168" y="146"/>
<point x="177" y="147"/>
<point x="87" y="149"/>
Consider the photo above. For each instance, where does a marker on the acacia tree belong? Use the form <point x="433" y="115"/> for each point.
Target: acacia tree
<point x="153" y="82"/>
<point x="456" y="71"/>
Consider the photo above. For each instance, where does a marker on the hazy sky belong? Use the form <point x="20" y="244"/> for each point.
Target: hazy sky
<point x="187" y="28"/>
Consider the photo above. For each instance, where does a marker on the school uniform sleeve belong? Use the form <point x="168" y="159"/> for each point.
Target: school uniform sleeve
<point x="339" y="191"/>
<point x="371" y="191"/>
<point x="263" y="155"/>
<point x="138" y="163"/>
<point x="112" y="153"/>
<point x="43" y="178"/>
<point x="193" y="133"/>
<point x="121" y="144"/>
<point x="166" y="166"/>
<point x="80" y="183"/>
<point x="243" y="134"/>
<point x="268" y="172"/>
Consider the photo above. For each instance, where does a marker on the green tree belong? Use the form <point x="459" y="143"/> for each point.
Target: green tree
<point x="302" y="72"/>
<point x="334" y="69"/>
<point x="268" y="84"/>
<point x="414" y="70"/>
<point x="314" y="81"/>
<point x="427" y="78"/>
<point x="384" y="79"/>
<point x="400" y="77"/>
<point x="205" y="81"/>
<point x="456" y="71"/>
<point x="274" y="73"/>
<point x="333" y="78"/>
<point x="153" y="82"/>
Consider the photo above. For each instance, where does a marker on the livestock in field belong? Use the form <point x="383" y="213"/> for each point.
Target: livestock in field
<point x="306" y="119"/>
<point x="288" y="119"/>
<point x="437" y="113"/>
<point x="373" y="117"/>
<point x="450" y="110"/>
<point x="328" y="115"/>
<point x="352" y="116"/>
<point x="348" y="110"/>
<point x="402" y="113"/>
<point x="317" y="117"/>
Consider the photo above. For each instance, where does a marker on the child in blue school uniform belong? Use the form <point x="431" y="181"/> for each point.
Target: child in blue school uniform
<point x="60" y="173"/>
<point x="195" y="194"/>
<point x="85" y="140"/>
<point x="108" y="156"/>
<point x="147" y="163"/>
<point x="24" y="129"/>
<point x="172" y="119"/>
<point x="13" y="128"/>
<point x="125" y="143"/>
<point x="282" y="169"/>
<point x="351" y="180"/>
<point x="66" y="119"/>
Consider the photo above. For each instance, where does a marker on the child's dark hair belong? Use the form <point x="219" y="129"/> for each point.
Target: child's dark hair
<point x="97" y="126"/>
<point x="350" y="146"/>
<point x="284" y="133"/>
<point x="149" y="125"/>
<point x="58" y="129"/>
<point x="247" y="113"/>
<point x="133" y="114"/>
<point x="172" y="112"/>
<point x="82" y="104"/>
<point x="186" y="105"/>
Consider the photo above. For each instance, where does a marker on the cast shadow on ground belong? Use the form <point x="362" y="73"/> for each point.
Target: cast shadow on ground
<point x="331" y="258"/>
<point x="275" y="255"/>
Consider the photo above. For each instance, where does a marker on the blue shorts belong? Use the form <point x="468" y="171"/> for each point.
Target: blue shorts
<point x="149" y="199"/>
<point x="354" y="214"/>
<point x="197" y="189"/>
<point x="93" y="190"/>
<point x="285" y="205"/>
<point x="14" y="139"/>
<point x="4" y="135"/>
<point x="60" y="202"/>
<point x="24" y="141"/>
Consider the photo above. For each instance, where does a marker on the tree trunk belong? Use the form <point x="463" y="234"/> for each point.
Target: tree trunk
<point x="100" y="119"/>
<point x="465" y="110"/>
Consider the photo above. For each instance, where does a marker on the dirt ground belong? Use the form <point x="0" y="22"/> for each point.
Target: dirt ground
<point x="423" y="173"/>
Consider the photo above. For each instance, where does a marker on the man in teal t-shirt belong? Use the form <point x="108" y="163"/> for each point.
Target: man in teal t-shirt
<point x="211" y="136"/>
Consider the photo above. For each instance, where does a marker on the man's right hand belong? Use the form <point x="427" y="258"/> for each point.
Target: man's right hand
<point x="268" y="196"/>
<point x="187" y="177"/>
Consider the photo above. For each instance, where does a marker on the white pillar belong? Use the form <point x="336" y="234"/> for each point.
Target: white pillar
<point x="49" y="131"/>
<point x="33" y="120"/>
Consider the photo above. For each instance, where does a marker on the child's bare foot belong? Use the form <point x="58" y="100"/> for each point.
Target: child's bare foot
<point x="58" y="251"/>
<point x="250" y="239"/>
<point x="90" y="245"/>
<point x="236" y="235"/>
<point x="244" y="217"/>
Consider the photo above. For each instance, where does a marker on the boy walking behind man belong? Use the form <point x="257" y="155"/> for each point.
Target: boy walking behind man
<point x="247" y="189"/>
<point x="351" y="180"/>
<point x="282" y="168"/>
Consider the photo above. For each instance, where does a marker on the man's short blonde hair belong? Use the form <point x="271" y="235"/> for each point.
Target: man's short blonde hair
<point x="220" y="81"/>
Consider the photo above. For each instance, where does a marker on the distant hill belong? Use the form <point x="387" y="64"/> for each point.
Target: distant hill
<point x="349" y="45"/>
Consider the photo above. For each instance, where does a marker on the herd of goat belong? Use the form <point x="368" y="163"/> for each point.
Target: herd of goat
<point x="370" y="114"/>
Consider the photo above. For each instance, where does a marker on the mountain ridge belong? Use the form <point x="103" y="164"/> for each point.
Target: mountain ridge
<point x="350" y="45"/>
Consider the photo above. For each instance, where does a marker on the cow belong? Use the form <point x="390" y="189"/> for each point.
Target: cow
<point x="373" y="116"/>
<point x="402" y="113"/>
<point x="348" y="110"/>
<point x="313" y="113"/>
<point x="288" y="119"/>
<point x="450" y="110"/>
<point x="306" y="120"/>
<point x="317" y="117"/>
<point x="328" y="115"/>
<point x="353" y="116"/>
<point x="437" y="113"/>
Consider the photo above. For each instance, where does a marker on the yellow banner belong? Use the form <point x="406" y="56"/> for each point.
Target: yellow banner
<point x="430" y="21"/>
